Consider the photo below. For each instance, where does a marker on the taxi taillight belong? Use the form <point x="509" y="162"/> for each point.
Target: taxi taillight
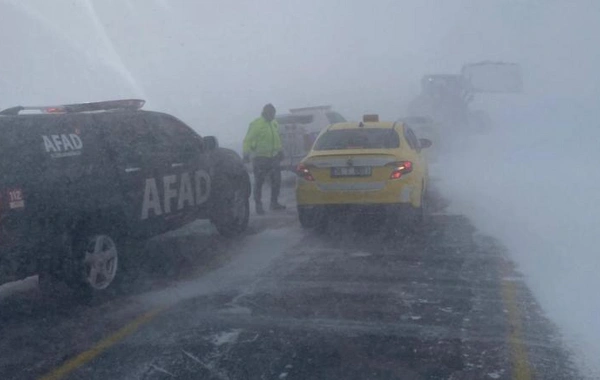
<point x="304" y="172"/>
<point x="400" y="168"/>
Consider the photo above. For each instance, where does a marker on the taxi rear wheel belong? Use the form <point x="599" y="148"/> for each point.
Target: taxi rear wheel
<point x="304" y="217"/>
<point x="312" y="219"/>
<point x="420" y="212"/>
<point x="419" y="221"/>
<point x="411" y="220"/>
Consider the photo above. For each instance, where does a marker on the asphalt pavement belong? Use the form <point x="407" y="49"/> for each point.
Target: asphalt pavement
<point x="282" y="303"/>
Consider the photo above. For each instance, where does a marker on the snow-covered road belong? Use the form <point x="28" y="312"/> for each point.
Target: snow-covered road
<point x="284" y="303"/>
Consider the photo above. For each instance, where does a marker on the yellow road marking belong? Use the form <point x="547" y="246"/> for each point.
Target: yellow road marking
<point x="520" y="360"/>
<point x="89" y="355"/>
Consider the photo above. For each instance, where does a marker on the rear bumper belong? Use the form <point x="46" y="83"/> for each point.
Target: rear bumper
<point x="399" y="212"/>
<point x="18" y="259"/>
<point x="24" y="246"/>
<point x="374" y="209"/>
<point x="358" y="194"/>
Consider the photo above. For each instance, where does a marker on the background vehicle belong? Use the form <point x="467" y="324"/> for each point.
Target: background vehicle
<point x="79" y="179"/>
<point x="447" y="98"/>
<point x="300" y="128"/>
<point x="368" y="167"/>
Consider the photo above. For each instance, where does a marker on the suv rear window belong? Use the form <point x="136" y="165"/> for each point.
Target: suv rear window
<point x="368" y="138"/>
<point x="46" y="147"/>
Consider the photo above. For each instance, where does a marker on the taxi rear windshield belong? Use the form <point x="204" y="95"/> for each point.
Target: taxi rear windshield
<point x="372" y="138"/>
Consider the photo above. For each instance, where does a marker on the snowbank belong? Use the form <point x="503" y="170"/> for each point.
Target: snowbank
<point x="534" y="183"/>
<point x="22" y="286"/>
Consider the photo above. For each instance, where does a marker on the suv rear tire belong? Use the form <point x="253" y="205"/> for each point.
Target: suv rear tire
<point x="89" y="264"/>
<point x="100" y="261"/>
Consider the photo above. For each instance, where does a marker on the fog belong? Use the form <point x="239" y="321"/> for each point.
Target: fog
<point x="215" y="66"/>
<point x="532" y="181"/>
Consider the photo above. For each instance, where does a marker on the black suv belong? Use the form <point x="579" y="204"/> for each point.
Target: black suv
<point x="78" y="180"/>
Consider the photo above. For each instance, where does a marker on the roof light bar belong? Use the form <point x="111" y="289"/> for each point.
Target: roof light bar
<point x="315" y="108"/>
<point x="109" y="105"/>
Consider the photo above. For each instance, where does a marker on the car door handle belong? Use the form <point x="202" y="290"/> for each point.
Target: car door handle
<point x="131" y="170"/>
<point x="177" y="165"/>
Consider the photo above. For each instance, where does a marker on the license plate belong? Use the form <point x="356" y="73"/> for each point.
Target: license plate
<point x="351" y="171"/>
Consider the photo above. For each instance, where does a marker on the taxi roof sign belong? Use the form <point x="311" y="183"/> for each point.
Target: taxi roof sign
<point x="372" y="118"/>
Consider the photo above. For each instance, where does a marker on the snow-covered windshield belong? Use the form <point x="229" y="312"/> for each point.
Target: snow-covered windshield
<point x="368" y="138"/>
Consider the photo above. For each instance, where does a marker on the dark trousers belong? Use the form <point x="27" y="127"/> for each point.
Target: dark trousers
<point x="263" y="167"/>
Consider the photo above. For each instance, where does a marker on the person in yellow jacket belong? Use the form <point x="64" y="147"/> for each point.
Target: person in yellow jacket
<point x="263" y="145"/>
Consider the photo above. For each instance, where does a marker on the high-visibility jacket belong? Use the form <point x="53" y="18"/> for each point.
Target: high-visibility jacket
<point x="262" y="139"/>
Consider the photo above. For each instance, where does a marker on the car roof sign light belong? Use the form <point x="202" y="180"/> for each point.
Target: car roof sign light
<point x="373" y="118"/>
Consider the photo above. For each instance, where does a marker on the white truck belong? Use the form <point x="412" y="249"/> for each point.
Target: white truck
<point x="299" y="128"/>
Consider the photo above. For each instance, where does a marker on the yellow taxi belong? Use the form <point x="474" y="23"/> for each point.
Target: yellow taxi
<point x="368" y="167"/>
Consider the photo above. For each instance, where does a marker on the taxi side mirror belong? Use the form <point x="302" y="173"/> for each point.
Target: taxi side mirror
<point x="425" y="143"/>
<point x="211" y="143"/>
